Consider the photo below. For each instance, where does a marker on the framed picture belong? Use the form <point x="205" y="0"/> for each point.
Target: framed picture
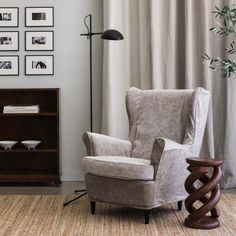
<point x="39" y="65"/>
<point x="39" y="40"/>
<point x="39" y="17"/>
<point x="9" y="16"/>
<point x="9" y="41"/>
<point x="9" y="65"/>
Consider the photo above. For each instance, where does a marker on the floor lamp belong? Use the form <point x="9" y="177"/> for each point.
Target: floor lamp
<point x="109" y="34"/>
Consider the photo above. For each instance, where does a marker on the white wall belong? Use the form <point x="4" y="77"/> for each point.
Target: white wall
<point x="71" y="73"/>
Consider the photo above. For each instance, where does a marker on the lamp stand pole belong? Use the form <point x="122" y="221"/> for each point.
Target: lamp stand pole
<point x="109" y="35"/>
<point x="89" y="36"/>
<point x="91" y="72"/>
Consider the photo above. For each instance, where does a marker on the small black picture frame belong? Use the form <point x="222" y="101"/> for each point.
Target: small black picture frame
<point x="39" y="40"/>
<point x="9" y="17"/>
<point x="39" y="65"/>
<point x="9" y="41"/>
<point x="39" y="16"/>
<point x="9" y="65"/>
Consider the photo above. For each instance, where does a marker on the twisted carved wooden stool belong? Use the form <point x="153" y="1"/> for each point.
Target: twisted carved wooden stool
<point x="197" y="218"/>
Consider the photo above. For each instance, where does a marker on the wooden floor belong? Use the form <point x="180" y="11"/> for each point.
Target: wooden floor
<point x="44" y="215"/>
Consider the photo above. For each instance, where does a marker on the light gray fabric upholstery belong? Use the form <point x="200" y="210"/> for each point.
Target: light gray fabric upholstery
<point x="102" y="145"/>
<point x="163" y="147"/>
<point x="119" y="167"/>
<point x="132" y="193"/>
<point x="166" y="126"/>
<point x="150" y="115"/>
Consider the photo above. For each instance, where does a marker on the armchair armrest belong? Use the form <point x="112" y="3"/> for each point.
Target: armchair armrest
<point x="163" y="147"/>
<point x="169" y="160"/>
<point x="102" y="145"/>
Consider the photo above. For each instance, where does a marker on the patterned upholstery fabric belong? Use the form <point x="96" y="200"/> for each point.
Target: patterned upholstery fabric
<point x="166" y="126"/>
<point x="119" y="167"/>
<point x="156" y="114"/>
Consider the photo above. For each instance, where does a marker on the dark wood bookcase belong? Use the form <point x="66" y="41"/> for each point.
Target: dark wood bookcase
<point x="20" y="164"/>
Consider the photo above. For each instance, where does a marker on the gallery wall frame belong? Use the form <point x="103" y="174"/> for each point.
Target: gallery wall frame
<point x="9" y="40"/>
<point x="39" y="65"/>
<point x="39" y="41"/>
<point x="35" y="40"/>
<point x="39" y="16"/>
<point x="9" y="17"/>
<point x="9" y="65"/>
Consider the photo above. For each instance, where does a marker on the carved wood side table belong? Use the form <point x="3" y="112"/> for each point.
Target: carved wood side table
<point x="199" y="168"/>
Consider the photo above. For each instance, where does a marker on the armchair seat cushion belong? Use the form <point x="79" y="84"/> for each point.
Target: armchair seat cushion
<point x="119" y="167"/>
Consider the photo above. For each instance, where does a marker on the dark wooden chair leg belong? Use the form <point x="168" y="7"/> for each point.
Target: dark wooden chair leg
<point x="93" y="205"/>
<point x="146" y="216"/>
<point x="180" y="205"/>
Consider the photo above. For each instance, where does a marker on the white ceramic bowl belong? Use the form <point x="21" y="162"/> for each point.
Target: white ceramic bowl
<point x="7" y="144"/>
<point x="31" y="144"/>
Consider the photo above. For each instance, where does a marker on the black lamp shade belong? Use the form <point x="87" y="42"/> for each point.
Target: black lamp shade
<point x="112" y="34"/>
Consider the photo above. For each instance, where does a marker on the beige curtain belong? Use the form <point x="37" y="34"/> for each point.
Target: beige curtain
<point x="164" y="42"/>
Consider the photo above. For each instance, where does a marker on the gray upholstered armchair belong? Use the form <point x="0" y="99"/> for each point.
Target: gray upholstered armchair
<point x="149" y="170"/>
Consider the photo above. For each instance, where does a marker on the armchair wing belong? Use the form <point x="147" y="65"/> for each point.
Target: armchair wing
<point x="102" y="145"/>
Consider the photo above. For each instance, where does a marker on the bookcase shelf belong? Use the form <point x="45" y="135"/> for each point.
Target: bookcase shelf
<point x="27" y="151"/>
<point x="20" y="164"/>
<point x="30" y="114"/>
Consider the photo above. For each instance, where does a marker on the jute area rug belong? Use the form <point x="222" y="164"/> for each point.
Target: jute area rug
<point x="44" y="215"/>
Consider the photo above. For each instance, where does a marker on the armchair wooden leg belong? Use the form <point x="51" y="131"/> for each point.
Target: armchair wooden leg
<point x="93" y="205"/>
<point x="180" y="205"/>
<point x="146" y="216"/>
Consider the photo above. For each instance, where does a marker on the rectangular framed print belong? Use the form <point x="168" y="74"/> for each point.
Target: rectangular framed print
<point x="9" y="41"/>
<point x="39" y="65"/>
<point x="9" y="16"/>
<point x="39" y="17"/>
<point x="9" y="65"/>
<point x="39" y="40"/>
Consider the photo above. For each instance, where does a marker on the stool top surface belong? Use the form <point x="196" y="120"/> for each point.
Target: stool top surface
<point x="203" y="161"/>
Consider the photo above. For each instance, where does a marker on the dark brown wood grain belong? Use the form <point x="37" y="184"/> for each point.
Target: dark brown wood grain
<point x="198" y="217"/>
<point x="20" y="164"/>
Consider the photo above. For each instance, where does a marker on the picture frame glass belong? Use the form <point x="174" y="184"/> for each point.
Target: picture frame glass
<point x="9" y="17"/>
<point x="39" y="16"/>
<point x="9" y="41"/>
<point x="9" y="65"/>
<point x="39" y="65"/>
<point x="39" y="40"/>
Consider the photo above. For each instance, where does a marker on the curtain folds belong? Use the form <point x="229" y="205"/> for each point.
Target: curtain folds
<point x="164" y="42"/>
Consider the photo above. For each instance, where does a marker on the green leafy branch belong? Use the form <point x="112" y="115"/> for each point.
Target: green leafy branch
<point x="227" y="27"/>
<point x="231" y="49"/>
<point x="223" y="29"/>
<point x="227" y="66"/>
<point x="228" y="13"/>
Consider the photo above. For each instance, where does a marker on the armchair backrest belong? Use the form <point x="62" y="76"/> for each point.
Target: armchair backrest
<point x="179" y="115"/>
